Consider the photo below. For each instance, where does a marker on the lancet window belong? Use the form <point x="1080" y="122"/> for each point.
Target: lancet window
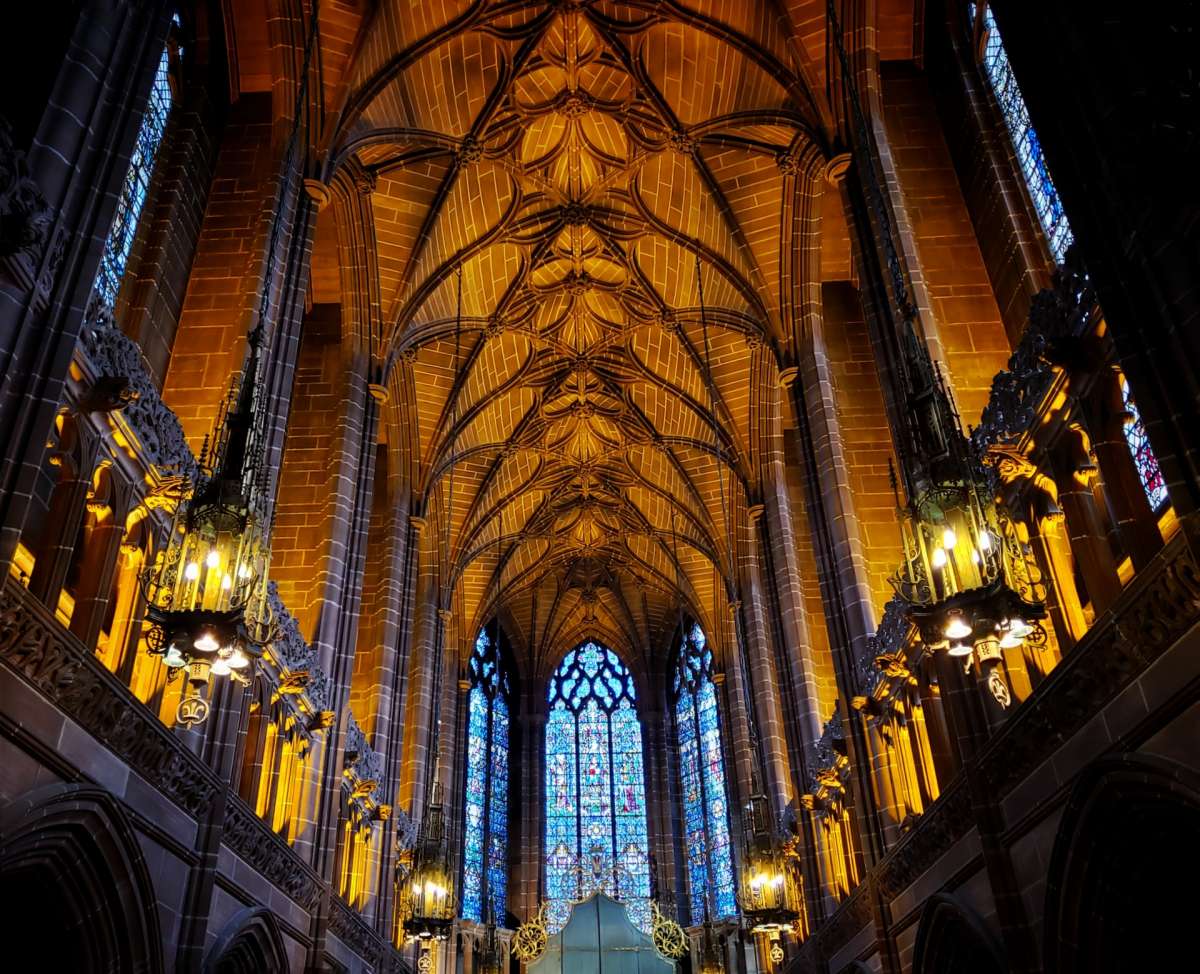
<point x="136" y="186"/>
<point x="702" y="776"/>
<point x="596" y="835"/>
<point x="1028" y="148"/>
<point x="485" y="842"/>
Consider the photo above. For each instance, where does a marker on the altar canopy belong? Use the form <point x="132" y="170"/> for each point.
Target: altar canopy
<point x="599" y="938"/>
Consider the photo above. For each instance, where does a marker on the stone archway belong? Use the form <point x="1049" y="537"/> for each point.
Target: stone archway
<point x="249" y="943"/>
<point x="74" y="890"/>
<point x="1125" y="855"/>
<point x="953" y="938"/>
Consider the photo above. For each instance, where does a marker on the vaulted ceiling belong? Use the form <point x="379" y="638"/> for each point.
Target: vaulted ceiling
<point x="579" y="246"/>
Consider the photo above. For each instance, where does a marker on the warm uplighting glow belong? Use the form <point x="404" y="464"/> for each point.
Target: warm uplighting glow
<point x="206" y="642"/>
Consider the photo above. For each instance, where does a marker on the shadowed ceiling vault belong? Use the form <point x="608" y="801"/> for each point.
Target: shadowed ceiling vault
<point x="579" y="162"/>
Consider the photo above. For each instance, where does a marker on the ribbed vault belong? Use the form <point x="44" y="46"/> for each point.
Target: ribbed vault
<point x="591" y="169"/>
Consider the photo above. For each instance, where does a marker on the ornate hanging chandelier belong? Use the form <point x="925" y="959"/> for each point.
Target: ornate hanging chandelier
<point x="426" y="900"/>
<point x="968" y="580"/>
<point x="206" y="593"/>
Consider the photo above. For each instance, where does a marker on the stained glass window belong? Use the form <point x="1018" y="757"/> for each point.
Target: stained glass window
<point x="1143" y="455"/>
<point x="137" y="184"/>
<point x="1046" y="200"/>
<point x="595" y="787"/>
<point x="702" y="774"/>
<point x="485" y="842"/>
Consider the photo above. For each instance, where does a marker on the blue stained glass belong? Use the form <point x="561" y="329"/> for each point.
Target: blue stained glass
<point x="485" y="840"/>
<point x="1143" y="456"/>
<point x="595" y="784"/>
<point x="1046" y="200"/>
<point x="123" y="230"/>
<point x="702" y="778"/>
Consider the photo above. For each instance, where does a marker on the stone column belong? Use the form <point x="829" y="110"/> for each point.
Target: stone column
<point x="420" y="680"/>
<point x="1089" y="539"/>
<point x="763" y="680"/>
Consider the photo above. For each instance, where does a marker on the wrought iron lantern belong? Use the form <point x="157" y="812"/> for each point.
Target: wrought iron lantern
<point x="206" y="592"/>
<point x="968" y="579"/>
<point x="426" y="900"/>
<point x="770" y="892"/>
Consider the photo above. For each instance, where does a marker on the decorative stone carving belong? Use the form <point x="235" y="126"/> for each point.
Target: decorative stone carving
<point x="25" y="217"/>
<point x="297" y="660"/>
<point x="362" y="772"/>
<point x="1158" y="607"/>
<point x="1058" y="314"/>
<point x="114" y="356"/>
<point x="36" y="647"/>
<point x="354" y="932"/>
<point x="943" y="824"/>
<point x="266" y="853"/>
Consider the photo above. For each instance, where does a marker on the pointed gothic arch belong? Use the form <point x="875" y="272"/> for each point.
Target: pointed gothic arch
<point x="1126" y="840"/>
<point x="953" y="937"/>
<point x="249" y="943"/>
<point x="74" y="883"/>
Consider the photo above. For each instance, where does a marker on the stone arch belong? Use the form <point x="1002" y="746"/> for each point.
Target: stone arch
<point x="249" y="943"/>
<point x="953" y="937"/>
<point x="1126" y="841"/>
<point x="74" y="885"/>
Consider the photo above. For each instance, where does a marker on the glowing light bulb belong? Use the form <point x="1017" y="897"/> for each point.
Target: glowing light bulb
<point x="238" y="661"/>
<point x="1020" y="628"/>
<point x="206" y="642"/>
<point x="1010" y="640"/>
<point x="174" y="658"/>
<point x="213" y="559"/>
<point x="939" y="558"/>
<point x="975" y="559"/>
<point x="949" y="539"/>
<point x="959" y="649"/>
<point x="985" y="541"/>
<point x="226" y="583"/>
<point x="243" y="571"/>
<point x="957" y="628"/>
<point x="192" y="572"/>
<point x="220" y="668"/>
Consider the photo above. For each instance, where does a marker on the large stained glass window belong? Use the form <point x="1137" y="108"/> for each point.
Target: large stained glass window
<point x="1024" y="139"/>
<point x="595" y="787"/>
<point x="485" y="842"/>
<point x="1143" y="456"/>
<point x="702" y="774"/>
<point x="137" y="184"/>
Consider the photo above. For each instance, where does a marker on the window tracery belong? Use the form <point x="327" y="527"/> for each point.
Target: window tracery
<point x="485" y="840"/>
<point x="596" y="834"/>
<point x="1143" y="456"/>
<point x="1046" y="201"/>
<point x="136" y="186"/>
<point x="702" y="775"/>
